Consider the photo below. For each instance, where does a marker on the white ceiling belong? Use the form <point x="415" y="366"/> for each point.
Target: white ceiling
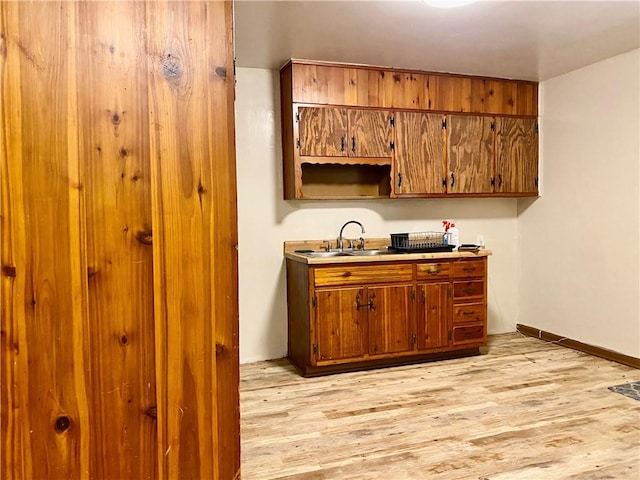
<point x="531" y="40"/>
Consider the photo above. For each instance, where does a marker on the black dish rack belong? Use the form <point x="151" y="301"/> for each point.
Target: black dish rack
<point x="421" y="242"/>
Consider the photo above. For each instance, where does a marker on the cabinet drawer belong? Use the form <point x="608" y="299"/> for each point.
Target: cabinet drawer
<point x="357" y="275"/>
<point x="469" y="268"/>
<point x="469" y="312"/>
<point x="427" y="271"/>
<point x="463" y="334"/>
<point x="474" y="288"/>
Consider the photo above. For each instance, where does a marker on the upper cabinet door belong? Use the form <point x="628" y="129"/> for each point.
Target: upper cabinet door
<point x="370" y="133"/>
<point x="516" y="155"/>
<point x="419" y="154"/>
<point x="469" y="154"/>
<point x="323" y="132"/>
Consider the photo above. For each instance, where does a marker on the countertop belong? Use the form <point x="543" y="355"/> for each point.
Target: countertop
<point x="290" y="247"/>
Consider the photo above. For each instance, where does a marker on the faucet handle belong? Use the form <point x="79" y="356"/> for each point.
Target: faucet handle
<point x="361" y="243"/>
<point x="327" y="245"/>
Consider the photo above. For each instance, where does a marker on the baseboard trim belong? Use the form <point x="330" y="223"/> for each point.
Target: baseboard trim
<point x="581" y="347"/>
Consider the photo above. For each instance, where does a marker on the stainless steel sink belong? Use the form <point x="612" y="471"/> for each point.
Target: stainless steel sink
<point x="366" y="253"/>
<point x="346" y="253"/>
<point x="323" y="254"/>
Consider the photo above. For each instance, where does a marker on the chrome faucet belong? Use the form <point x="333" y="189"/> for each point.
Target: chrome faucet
<point x="339" y="245"/>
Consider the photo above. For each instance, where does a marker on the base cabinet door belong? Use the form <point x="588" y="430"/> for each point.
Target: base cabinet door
<point x="390" y="320"/>
<point x="433" y="315"/>
<point x="340" y="323"/>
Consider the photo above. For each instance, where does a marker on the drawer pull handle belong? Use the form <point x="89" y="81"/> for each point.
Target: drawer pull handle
<point x="469" y="269"/>
<point x="467" y="291"/>
<point x="434" y="271"/>
<point x="469" y="314"/>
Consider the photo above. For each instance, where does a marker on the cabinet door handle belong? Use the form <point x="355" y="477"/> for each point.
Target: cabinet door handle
<point x="399" y="180"/>
<point x="369" y="305"/>
<point x="453" y="180"/>
<point x="353" y="144"/>
<point x="499" y="180"/>
<point x="342" y="144"/>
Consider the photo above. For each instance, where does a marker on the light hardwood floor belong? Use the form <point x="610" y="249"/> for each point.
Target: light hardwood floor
<point x="525" y="410"/>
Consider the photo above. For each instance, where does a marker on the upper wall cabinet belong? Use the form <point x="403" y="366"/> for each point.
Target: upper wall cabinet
<point x="368" y="132"/>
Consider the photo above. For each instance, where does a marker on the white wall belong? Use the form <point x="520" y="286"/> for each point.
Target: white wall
<point x="580" y="242"/>
<point x="265" y="221"/>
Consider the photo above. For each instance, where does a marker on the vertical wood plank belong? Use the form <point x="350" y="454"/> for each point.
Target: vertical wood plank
<point x="113" y="133"/>
<point x="224" y="235"/>
<point x="195" y="261"/>
<point x="43" y="361"/>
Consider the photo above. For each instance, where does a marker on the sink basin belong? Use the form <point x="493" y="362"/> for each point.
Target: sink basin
<point x="366" y="253"/>
<point x="346" y="253"/>
<point x="327" y="254"/>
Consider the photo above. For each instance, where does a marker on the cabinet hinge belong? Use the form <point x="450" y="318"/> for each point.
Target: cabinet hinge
<point x="536" y="182"/>
<point x="444" y="124"/>
<point x="537" y="128"/>
<point x="392" y="146"/>
<point x="297" y="116"/>
<point x="314" y="302"/>
<point x="392" y="121"/>
<point x="448" y="292"/>
<point x="493" y="126"/>
<point x="315" y="348"/>
<point x="413" y="294"/>
<point x="448" y="335"/>
<point x="298" y="143"/>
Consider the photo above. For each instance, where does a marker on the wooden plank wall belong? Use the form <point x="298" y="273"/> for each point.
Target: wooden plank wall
<point x="119" y="348"/>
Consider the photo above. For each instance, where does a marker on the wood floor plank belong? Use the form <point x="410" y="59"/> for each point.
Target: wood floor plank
<point x="527" y="409"/>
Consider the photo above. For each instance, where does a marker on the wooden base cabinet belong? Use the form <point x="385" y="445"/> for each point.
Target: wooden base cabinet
<point x="353" y="316"/>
